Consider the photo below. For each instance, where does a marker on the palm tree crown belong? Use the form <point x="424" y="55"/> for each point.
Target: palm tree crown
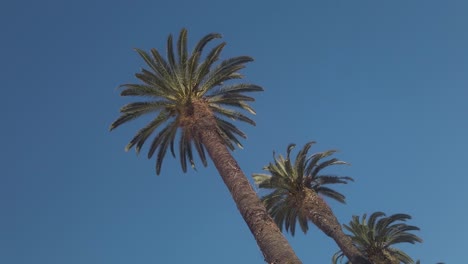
<point x="375" y="236"/>
<point x="174" y="87"/>
<point x="289" y="179"/>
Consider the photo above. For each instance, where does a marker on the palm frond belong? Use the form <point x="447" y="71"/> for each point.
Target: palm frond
<point x="185" y="150"/>
<point x="229" y="137"/>
<point x="201" y="152"/>
<point x="234" y="115"/>
<point x="226" y="126"/>
<point x="149" y="61"/>
<point x="325" y="164"/>
<point x="226" y="70"/>
<point x="146" y="107"/>
<point x="205" y="40"/>
<point x="301" y="159"/>
<point x="182" y="47"/>
<point x="339" y="256"/>
<point x="164" y="70"/>
<point x="233" y="100"/>
<point x="166" y="86"/>
<point x="170" y="54"/>
<point x="238" y="88"/>
<point x="315" y="158"/>
<point x="262" y="179"/>
<point x="126" y="117"/>
<point x="140" y="90"/>
<point x="330" y="193"/>
<point x="204" y="69"/>
<point x="163" y="141"/>
<point x="143" y="134"/>
<point x="332" y="179"/>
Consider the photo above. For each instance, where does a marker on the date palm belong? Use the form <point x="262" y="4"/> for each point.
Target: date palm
<point x="375" y="237"/>
<point x="190" y="105"/>
<point x="296" y="188"/>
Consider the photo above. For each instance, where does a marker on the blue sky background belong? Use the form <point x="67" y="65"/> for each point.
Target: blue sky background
<point x="385" y="82"/>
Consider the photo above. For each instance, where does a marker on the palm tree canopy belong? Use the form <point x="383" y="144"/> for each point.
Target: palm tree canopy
<point x="379" y="233"/>
<point x="288" y="179"/>
<point x="171" y="87"/>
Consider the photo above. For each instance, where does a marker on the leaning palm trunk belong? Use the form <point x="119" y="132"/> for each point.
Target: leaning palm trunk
<point x="271" y="241"/>
<point x="322" y="216"/>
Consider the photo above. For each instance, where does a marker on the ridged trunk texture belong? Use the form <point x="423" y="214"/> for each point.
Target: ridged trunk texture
<point x="381" y="257"/>
<point x="272" y="243"/>
<point x="322" y="216"/>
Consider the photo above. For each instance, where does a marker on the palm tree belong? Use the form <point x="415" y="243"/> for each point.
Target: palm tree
<point x="188" y="99"/>
<point x="296" y="187"/>
<point x="375" y="237"/>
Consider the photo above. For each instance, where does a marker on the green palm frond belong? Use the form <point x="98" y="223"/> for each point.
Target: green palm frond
<point x="339" y="256"/>
<point x="172" y="84"/>
<point x="330" y="193"/>
<point x="379" y="233"/>
<point x="289" y="179"/>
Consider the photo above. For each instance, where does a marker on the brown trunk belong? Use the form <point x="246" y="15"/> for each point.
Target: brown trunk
<point x="272" y="243"/>
<point x="381" y="256"/>
<point x="322" y="216"/>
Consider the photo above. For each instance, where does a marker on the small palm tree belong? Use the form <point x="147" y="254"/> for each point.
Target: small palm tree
<point x="187" y="98"/>
<point x="375" y="236"/>
<point x="296" y="186"/>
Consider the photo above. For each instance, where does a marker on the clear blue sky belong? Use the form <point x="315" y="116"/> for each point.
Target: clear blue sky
<point x="385" y="82"/>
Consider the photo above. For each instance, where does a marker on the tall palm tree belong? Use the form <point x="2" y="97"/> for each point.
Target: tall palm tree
<point x="296" y="186"/>
<point x="375" y="236"/>
<point x="188" y="99"/>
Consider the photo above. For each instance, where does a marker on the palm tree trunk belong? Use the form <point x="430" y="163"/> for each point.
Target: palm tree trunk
<point x="322" y="216"/>
<point x="382" y="256"/>
<point x="272" y="243"/>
